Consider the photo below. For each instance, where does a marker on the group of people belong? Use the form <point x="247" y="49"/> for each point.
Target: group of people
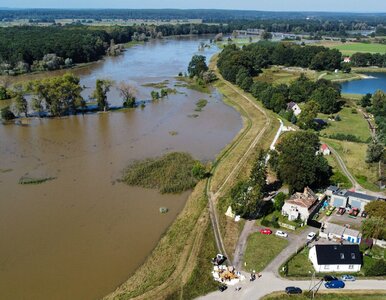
<point x="252" y="277"/>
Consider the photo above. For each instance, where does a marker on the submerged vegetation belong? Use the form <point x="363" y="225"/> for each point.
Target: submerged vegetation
<point x="201" y="104"/>
<point x="171" y="173"/>
<point x="31" y="180"/>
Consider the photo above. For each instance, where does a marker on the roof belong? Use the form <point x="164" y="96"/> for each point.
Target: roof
<point x="347" y="194"/>
<point x="320" y="122"/>
<point x="305" y="199"/>
<point x="338" y="255"/>
<point x="324" y="147"/>
<point x="340" y="230"/>
<point x="291" y="105"/>
<point x="361" y="196"/>
<point x="332" y="188"/>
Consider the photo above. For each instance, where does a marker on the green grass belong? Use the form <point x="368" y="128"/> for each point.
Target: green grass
<point x="191" y="84"/>
<point x="31" y="180"/>
<point x="350" y="295"/>
<point x="157" y="85"/>
<point x="171" y="173"/>
<point x="351" y="123"/>
<point x="277" y="76"/>
<point x="340" y="76"/>
<point x="201" y="281"/>
<point x="351" y="48"/>
<point x="261" y="250"/>
<point x="201" y="104"/>
<point x="299" y="265"/>
<point x="353" y="155"/>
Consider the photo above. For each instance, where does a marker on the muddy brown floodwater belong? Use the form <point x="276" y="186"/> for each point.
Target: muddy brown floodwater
<point x="82" y="234"/>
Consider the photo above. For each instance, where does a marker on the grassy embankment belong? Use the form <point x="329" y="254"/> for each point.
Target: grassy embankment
<point x="257" y="256"/>
<point x="178" y="266"/>
<point x="254" y="121"/>
<point x="337" y="295"/>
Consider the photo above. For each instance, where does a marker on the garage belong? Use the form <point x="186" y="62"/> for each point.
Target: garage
<point x="337" y="202"/>
<point x="356" y="204"/>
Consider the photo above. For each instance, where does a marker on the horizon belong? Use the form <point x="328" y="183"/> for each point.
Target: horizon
<point x="327" y="6"/>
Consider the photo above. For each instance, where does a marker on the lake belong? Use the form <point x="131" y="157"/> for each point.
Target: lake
<point x="82" y="234"/>
<point x="377" y="81"/>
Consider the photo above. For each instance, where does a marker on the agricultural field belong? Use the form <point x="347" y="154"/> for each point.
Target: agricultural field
<point x="350" y="48"/>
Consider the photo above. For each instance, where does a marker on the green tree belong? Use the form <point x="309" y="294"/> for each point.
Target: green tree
<point x="164" y="93"/>
<point x="197" y="66"/>
<point x="373" y="227"/>
<point x="128" y="92"/>
<point x="199" y="171"/>
<point x="4" y="93"/>
<point x="374" y="152"/>
<point x="20" y="104"/>
<point x="366" y="100"/>
<point x="308" y="114"/>
<point x="279" y="201"/>
<point x="154" y="95"/>
<point x="376" y="209"/>
<point x="298" y="165"/>
<point x="327" y="98"/>
<point x="258" y="175"/>
<point x="102" y="87"/>
<point x="266" y="35"/>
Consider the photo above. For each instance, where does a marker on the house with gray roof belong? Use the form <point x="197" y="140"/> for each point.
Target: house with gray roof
<point x="351" y="199"/>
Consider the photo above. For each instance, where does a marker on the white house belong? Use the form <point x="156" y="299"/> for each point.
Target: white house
<point x="336" y="258"/>
<point x="325" y="150"/>
<point x="300" y="205"/>
<point x="294" y="107"/>
<point x="347" y="59"/>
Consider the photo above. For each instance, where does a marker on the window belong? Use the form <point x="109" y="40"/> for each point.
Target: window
<point x="326" y="267"/>
<point x="353" y="255"/>
<point x="351" y="267"/>
<point x="342" y="256"/>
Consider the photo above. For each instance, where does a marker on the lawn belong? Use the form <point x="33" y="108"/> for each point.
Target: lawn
<point x="351" y="48"/>
<point x="354" y="155"/>
<point x="351" y="123"/>
<point x="261" y="250"/>
<point x="341" y="295"/>
<point x="277" y="75"/>
<point x="340" y="76"/>
<point x="299" y="265"/>
<point x="338" y="178"/>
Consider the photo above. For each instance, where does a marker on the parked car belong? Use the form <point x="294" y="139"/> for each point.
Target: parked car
<point x="348" y="278"/>
<point x="353" y="212"/>
<point x="222" y="287"/>
<point x="329" y="278"/>
<point x="281" y="233"/>
<point x="266" y="231"/>
<point x="311" y="236"/>
<point x="293" y="290"/>
<point x="335" y="284"/>
<point x="330" y="210"/>
<point x="341" y="210"/>
<point x="364" y="214"/>
<point x="219" y="259"/>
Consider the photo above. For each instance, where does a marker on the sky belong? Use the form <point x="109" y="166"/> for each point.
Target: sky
<point x="271" y="5"/>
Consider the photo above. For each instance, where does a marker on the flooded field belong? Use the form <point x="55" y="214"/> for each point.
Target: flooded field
<point x="81" y="234"/>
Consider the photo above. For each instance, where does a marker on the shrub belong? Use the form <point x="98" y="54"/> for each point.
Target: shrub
<point x="7" y="114"/>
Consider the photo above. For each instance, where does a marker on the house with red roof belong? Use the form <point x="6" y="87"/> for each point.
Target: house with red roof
<point x="324" y="150"/>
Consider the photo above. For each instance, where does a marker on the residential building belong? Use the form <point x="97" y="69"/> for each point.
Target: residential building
<point x="300" y="205"/>
<point x="325" y="150"/>
<point x="336" y="258"/>
<point x="347" y="59"/>
<point x="294" y="107"/>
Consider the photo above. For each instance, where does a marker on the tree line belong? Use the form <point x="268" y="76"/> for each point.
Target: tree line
<point x="25" y="48"/>
<point x="368" y="59"/>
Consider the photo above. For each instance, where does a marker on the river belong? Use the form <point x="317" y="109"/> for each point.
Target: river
<point x="82" y="234"/>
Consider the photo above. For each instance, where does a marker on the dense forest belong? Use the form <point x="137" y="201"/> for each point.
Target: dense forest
<point x="25" y="47"/>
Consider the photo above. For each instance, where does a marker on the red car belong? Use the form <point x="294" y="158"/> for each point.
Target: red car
<point x="266" y="231"/>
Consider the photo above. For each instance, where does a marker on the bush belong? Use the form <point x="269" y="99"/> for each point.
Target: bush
<point x="345" y="137"/>
<point x="376" y="268"/>
<point x="7" y="114"/>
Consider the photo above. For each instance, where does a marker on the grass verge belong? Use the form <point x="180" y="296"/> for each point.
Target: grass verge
<point x="191" y="84"/>
<point x="261" y="249"/>
<point x="337" y="295"/>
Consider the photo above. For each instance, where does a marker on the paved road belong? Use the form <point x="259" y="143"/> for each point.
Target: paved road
<point x="268" y="283"/>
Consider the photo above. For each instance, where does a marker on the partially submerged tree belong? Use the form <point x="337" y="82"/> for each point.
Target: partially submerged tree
<point x="197" y="66"/>
<point x="102" y="87"/>
<point x="20" y="104"/>
<point x="128" y="92"/>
